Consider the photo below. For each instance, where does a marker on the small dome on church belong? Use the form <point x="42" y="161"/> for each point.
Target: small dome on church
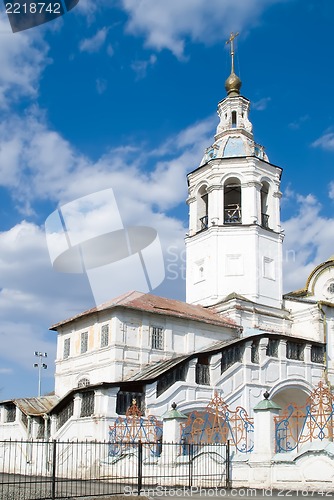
<point x="233" y="85"/>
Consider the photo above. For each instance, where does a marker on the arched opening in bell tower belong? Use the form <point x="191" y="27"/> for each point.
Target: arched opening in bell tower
<point x="234" y="119"/>
<point x="232" y="201"/>
<point x="202" y="209"/>
<point x="265" y="205"/>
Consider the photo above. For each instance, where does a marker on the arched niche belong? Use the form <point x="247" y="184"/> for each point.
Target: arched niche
<point x="232" y="201"/>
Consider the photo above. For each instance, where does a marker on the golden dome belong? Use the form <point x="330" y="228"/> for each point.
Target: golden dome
<point x="233" y="85"/>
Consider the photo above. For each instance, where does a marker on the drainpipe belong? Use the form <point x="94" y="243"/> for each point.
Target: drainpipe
<point x="320" y="303"/>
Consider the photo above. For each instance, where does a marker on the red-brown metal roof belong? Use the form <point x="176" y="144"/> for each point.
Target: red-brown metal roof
<point x="157" y="305"/>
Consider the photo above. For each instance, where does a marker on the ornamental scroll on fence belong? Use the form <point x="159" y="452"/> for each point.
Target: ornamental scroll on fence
<point x="301" y="424"/>
<point x="134" y="428"/>
<point x="218" y="424"/>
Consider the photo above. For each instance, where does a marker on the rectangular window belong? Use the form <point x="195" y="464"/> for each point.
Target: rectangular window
<point x="104" y="335"/>
<point x="24" y="419"/>
<point x="231" y="355"/>
<point x="84" y="342"/>
<point x="125" y="401"/>
<point x="67" y="345"/>
<point x="317" y="354"/>
<point x="40" y="427"/>
<point x="255" y="351"/>
<point x="157" y="337"/>
<point x="65" y="414"/>
<point x="10" y="412"/>
<point x="203" y="371"/>
<point x="272" y="348"/>
<point x="87" y="404"/>
<point x="170" y="378"/>
<point x="295" y="350"/>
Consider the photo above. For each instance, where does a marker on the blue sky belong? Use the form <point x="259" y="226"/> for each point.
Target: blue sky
<point x="123" y="94"/>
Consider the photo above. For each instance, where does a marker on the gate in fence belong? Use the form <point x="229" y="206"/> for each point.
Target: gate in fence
<point x="301" y="424"/>
<point x="219" y="424"/>
<point x="58" y="470"/>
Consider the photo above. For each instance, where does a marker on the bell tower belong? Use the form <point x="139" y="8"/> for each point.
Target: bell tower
<point x="234" y="243"/>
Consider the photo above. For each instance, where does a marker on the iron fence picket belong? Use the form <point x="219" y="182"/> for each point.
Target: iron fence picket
<point x="51" y="470"/>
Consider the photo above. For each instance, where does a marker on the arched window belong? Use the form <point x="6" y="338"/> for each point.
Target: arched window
<point x="83" y="382"/>
<point x="202" y="209"/>
<point x="232" y="201"/>
<point x="264" y="205"/>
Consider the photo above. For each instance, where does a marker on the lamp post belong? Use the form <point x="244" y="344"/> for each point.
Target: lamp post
<point x="40" y="365"/>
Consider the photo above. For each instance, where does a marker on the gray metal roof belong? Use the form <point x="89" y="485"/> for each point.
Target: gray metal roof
<point x="151" y="372"/>
<point x="155" y="370"/>
<point x="36" y="406"/>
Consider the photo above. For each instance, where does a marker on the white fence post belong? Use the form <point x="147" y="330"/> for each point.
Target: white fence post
<point x="171" y="434"/>
<point x="171" y="425"/>
<point x="264" y="429"/>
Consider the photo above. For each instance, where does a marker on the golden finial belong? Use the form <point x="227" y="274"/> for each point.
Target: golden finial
<point x="233" y="83"/>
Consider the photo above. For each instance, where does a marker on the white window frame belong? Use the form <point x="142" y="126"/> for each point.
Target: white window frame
<point x="157" y="338"/>
<point x="104" y="335"/>
<point x="83" y="342"/>
<point x="67" y="348"/>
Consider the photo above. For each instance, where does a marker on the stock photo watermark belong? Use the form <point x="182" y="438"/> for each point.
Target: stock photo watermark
<point x="216" y="492"/>
<point x="25" y="14"/>
<point x="87" y="236"/>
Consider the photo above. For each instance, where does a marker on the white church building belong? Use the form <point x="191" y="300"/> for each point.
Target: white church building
<point x="236" y="335"/>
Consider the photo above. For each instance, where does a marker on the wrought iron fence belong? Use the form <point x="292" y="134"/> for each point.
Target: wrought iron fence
<point x="301" y="424"/>
<point x="134" y="427"/>
<point x="50" y="470"/>
<point x="219" y="424"/>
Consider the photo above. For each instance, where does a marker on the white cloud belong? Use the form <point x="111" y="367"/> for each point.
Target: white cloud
<point x="23" y="56"/>
<point x="331" y="190"/>
<point x="101" y="85"/>
<point x="94" y="43"/>
<point x="5" y="371"/>
<point x="308" y="241"/>
<point x="326" y="142"/>
<point x="89" y="8"/>
<point x="32" y="297"/>
<point x="110" y="50"/>
<point x="170" y="23"/>
<point x="261" y="104"/>
<point x="141" y="67"/>
<point x="37" y="163"/>
<point x="299" y="122"/>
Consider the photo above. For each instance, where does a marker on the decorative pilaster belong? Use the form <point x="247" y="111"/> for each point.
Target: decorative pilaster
<point x="215" y="207"/>
<point x="263" y="350"/>
<point x="282" y="359"/>
<point x="53" y="427"/>
<point x="112" y="401"/>
<point x="77" y="405"/>
<point x="191" y="374"/>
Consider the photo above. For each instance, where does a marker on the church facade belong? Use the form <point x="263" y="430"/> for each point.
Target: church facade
<point x="236" y="335"/>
